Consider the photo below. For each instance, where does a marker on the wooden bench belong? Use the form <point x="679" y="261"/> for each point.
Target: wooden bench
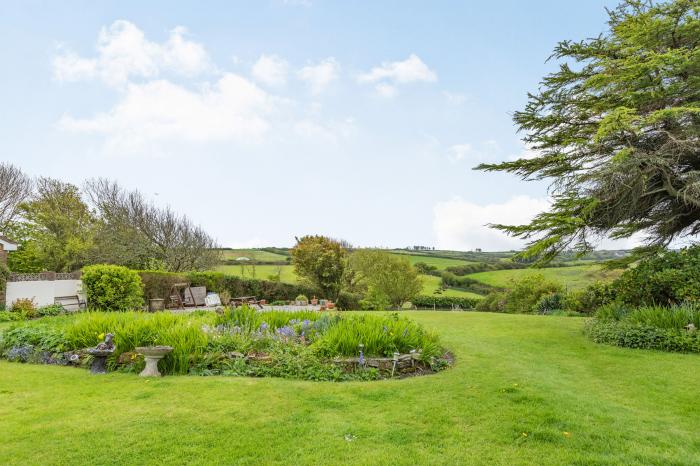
<point x="70" y="303"/>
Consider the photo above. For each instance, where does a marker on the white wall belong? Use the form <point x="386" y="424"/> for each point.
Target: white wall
<point x="43" y="292"/>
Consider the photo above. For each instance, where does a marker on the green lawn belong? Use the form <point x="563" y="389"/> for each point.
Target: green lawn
<point x="575" y="277"/>
<point x="524" y="390"/>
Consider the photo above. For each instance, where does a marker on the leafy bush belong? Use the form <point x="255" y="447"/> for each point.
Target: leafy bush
<point x="42" y="338"/>
<point x="444" y="302"/>
<point x="50" y="310"/>
<point x="522" y="297"/>
<point x="586" y="301"/>
<point x="671" y="277"/>
<point x="26" y="307"/>
<point x="612" y="312"/>
<point x="112" y="288"/>
<point x="450" y="280"/>
<point x="348" y="301"/>
<point x="9" y="316"/>
<point x="631" y="335"/>
<point x="549" y="304"/>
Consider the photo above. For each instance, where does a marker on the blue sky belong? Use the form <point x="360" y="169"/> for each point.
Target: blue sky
<point x="272" y="119"/>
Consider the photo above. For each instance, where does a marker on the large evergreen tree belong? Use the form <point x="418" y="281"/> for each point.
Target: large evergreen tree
<point x="617" y="132"/>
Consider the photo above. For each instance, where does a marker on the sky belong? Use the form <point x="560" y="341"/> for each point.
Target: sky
<point x="270" y="119"/>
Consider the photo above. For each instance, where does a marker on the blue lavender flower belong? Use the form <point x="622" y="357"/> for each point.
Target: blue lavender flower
<point x="286" y="332"/>
<point x="362" y="358"/>
<point x="263" y="327"/>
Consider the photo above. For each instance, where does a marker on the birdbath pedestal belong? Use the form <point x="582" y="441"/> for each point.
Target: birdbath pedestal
<point x="99" y="360"/>
<point x="153" y="354"/>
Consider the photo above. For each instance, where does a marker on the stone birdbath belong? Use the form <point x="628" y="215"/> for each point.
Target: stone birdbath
<point x="100" y="353"/>
<point x="153" y="354"/>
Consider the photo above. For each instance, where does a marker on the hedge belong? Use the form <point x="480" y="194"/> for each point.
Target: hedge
<point x="444" y="302"/>
<point x="158" y="285"/>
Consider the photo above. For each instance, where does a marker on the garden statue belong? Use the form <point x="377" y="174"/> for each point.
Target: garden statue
<point x="100" y="353"/>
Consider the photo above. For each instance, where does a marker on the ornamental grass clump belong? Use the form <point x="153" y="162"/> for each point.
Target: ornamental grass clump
<point x="379" y="335"/>
<point x="133" y="329"/>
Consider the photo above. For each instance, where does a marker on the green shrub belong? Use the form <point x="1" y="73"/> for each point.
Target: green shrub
<point x="668" y="278"/>
<point x="632" y="335"/>
<point x="586" y="301"/>
<point x="549" y="304"/>
<point x="8" y="316"/>
<point x="50" y="310"/>
<point x="112" y="288"/>
<point x="493" y="302"/>
<point x="42" y="338"/>
<point x="522" y="297"/>
<point x="302" y="298"/>
<point x="348" y="301"/>
<point x="612" y="312"/>
<point x="26" y="307"/>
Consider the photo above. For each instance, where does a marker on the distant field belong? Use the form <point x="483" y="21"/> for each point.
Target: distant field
<point x="440" y="262"/>
<point x="431" y="284"/>
<point x="260" y="272"/>
<point x="576" y="277"/>
<point x="253" y="254"/>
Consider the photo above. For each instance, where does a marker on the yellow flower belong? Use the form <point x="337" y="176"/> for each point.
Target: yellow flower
<point x="524" y="434"/>
<point x="567" y="434"/>
<point x="101" y="336"/>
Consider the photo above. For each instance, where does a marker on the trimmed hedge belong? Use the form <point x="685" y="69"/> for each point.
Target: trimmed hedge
<point x="631" y="335"/>
<point x="158" y="284"/>
<point x="444" y="302"/>
<point x="112" y="288"/>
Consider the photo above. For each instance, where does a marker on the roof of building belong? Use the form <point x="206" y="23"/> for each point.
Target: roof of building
<point x="8" y="244"/>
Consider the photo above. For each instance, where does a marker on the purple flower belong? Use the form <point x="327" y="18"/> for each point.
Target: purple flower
<point x="362" y="358"/>
<point x="263" y="327"/>
<point x="286" y="332"/>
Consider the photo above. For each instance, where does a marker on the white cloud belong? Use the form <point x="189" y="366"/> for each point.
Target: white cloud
<point x="319" y="76"/>
<point x="158" y="113"/>
<point x="327" y="132"/>
<point x="123" y="52"/>
<point x="271" y="70"/>
<point x="386" y="90"/>
<point x="458" y="152"/>
<point x="410" y="70"/>
<point x="460" y="224"/>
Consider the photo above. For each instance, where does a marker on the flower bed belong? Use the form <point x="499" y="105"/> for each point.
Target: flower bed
<point x="304" y="344"/>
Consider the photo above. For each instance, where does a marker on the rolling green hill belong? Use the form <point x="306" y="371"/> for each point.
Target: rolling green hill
<point x="575" y="277"/>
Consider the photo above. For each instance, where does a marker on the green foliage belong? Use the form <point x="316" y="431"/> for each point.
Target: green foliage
<point x="388" y="279"/>
<point x="631" y="335"/>
<point x="380" y="335"/>
<point x="586" y="301"/>
<point x="670" y="277"/>
<point x="522" y="297"/>
<point x="9" y="316"/>
<point x="26" y="307"/>
<point x="322" y="262"/>
<point x="616" y="130"/>
<point x="132" y="329"/>
<point x="348" y="301"/>
<point x="426" y="269"/>
<point x="57" y="226"/>
<point x="250" y="320"/>
<point x="112" y="288"/>
<point x="675" y="317"/>
<point x="4" y="275"/>
<point x="42" y="338"/>
<point x="549" y="304"/>
<point x="443" y="302"/>
<point x="450" y="280"/>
